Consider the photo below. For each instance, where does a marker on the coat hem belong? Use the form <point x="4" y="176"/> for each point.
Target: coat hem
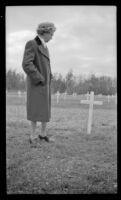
<point x="38" y="120"/>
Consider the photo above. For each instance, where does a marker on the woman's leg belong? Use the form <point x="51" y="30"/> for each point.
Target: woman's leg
<point x="43" y="133"/>
<point x="43" y="129"/>
<point x="33" y="130"/>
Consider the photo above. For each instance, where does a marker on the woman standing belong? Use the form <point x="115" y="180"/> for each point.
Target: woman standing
<point x="36" y="64"/>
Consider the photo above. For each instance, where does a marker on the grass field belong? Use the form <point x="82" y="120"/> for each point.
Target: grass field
<point x="76" y="163"/>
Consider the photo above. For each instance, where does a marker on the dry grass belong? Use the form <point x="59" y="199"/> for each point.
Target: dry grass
<point x="76" y="163"/>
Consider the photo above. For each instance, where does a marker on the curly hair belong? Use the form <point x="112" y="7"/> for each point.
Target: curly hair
<point x="45" y="27"/>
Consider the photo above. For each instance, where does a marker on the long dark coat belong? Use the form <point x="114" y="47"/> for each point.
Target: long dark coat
<point x="36" y="64"/>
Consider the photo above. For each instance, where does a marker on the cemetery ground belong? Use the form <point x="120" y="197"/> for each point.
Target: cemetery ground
<point x="75" y="163"/>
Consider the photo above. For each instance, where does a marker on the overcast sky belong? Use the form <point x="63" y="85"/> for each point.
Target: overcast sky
<point x="85" y="39"/>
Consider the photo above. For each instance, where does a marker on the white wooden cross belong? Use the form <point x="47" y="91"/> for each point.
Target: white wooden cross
<point x="108" y="97"/>
<point x="58" y="95"/>
<point x="19" y="93"/>
<point x="91" y="102"/>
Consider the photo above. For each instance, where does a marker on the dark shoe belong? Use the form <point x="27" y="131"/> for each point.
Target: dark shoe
<point x="44" y="138"/>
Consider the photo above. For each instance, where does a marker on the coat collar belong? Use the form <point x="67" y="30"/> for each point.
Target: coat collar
<point x="43" y="50"/>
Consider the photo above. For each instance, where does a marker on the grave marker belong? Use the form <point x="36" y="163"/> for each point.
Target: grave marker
<point x="91" y="102"/>
<point x="57" y="96"/>
<point x="108" y="97"/>
<point x="19" y="93"/>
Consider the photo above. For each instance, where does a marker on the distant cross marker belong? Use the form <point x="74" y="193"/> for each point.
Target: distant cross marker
<point x="19" y="93"/>
<point x="108" y="97"/>
<point x="91" y="102"/>
<point x="58" y="95"/>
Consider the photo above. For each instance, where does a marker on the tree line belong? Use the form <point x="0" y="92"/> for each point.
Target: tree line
<point x="105" y="85"/>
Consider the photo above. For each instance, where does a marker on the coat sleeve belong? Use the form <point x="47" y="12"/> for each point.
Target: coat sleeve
<point x="28" y="64"/>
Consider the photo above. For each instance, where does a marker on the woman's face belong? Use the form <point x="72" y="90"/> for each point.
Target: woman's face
<point x="47" y="36"/>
